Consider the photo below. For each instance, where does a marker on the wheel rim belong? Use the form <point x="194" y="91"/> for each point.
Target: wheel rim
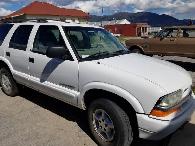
<point x="103" y="125"/>
<point x="6" y="83"/>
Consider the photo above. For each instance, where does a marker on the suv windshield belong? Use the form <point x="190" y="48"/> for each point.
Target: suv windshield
<point x="94" y="43"/>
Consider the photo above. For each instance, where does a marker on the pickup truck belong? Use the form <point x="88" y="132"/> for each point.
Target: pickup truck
<point x="126" y="95"/>
<point x="171" y="41"/>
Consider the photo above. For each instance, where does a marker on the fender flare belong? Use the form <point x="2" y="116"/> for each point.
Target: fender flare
<point x="112" y="89"/>
<point x="3" y="59"/>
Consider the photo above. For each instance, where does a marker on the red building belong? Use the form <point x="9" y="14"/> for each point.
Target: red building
<point x="130" y="30"/>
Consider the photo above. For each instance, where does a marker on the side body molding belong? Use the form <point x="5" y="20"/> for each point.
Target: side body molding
<point x="113" y="89"/>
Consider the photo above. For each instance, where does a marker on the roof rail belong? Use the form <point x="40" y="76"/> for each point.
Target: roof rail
<point x="24" y="20"/>
<point x="37" y="20"/>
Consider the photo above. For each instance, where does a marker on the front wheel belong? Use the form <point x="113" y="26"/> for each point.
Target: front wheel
<point x="9" y="86"/>
<point x="109" y="124"/>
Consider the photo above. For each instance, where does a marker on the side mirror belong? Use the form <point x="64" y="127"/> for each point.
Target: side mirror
<point x="59" y="52"/>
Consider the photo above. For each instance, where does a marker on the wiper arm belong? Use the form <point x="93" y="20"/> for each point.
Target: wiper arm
<point x="121" y="52"/>
<point x="99" y="54"/>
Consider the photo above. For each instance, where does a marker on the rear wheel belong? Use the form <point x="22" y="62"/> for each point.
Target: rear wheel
<point x="9" y="86"/>
<point x="109" y="124"/>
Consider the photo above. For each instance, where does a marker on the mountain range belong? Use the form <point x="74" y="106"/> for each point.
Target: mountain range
<point x="152" y="19"/>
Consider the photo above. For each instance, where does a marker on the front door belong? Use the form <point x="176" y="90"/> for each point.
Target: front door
<point x="55" y="77"/>
<point x="170" y="41"/>
<point x="186" y="43"/>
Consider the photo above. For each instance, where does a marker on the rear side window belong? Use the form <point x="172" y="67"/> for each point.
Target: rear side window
<point x="20" y="37"/>
<point x="4" y="29"/>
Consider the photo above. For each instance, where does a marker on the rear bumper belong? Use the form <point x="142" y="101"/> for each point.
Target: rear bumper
<point x="154" y="129"/>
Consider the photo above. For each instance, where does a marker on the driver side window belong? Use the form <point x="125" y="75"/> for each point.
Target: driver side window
<point x="47" y="36"/>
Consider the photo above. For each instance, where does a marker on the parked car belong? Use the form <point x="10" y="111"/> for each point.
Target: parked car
<point x="171" y="41"/>
<point x="126" y="95"/>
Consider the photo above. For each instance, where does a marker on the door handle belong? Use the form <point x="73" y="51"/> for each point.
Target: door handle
<point x="32" y="60"/>
<point x="8" y="54"/>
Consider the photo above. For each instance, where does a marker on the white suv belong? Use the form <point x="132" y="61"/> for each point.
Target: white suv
<point x="126" y="95"/>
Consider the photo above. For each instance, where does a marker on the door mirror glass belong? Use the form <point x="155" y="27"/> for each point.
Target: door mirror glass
<point x="59" y="52"/>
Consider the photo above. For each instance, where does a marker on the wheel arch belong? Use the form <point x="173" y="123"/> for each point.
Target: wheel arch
<point x="131" y="107"/>
<point x="91" y="91"/>
<point x="136" y="47"/>
<point x="5" y="63"/>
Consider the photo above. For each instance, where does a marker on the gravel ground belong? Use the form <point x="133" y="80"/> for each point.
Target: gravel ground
<point x="33" y="119"/>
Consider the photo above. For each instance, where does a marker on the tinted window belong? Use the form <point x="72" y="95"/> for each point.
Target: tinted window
<point x="168" y="33"/>
<point x="4" y="29"/>
<point x="20" y="37"/>
<point x="173" y="33"/>
<point x="47" y="36"/>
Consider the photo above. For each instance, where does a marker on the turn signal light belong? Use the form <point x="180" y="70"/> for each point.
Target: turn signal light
<point x="160" y="113"/>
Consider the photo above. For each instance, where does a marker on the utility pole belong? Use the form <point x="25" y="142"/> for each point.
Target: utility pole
<point x="102" y="16"/>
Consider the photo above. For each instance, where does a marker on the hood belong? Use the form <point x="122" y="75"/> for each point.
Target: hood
<point x="168" y="76"/>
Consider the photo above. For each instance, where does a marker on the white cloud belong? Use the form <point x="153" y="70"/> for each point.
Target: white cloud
<point x="173" y="7"/>
<point x="4" y="12"/>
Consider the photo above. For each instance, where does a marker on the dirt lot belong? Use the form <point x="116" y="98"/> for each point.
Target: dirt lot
<point x="33" y="119"/>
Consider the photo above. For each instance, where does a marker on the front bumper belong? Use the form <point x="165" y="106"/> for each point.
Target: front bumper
<point x="154" y="129"/>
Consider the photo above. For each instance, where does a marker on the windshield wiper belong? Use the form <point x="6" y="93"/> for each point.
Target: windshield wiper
<point x="98" y="55"/>
<point x="121" y="52"/>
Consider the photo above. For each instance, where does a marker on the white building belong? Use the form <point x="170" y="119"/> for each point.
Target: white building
<point x="103" y="23"/>
<point x="154" y="30"/>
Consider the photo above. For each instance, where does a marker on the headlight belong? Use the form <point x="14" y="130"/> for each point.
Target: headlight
<point x="165" y="106"/>
<point x="170" y="100"/>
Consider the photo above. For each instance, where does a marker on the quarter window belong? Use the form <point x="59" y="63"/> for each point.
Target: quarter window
<point x="20" y="37"/>
<point x="4" y="29"/>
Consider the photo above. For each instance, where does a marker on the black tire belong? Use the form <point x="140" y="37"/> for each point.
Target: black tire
<point x="13" y="90"/>
<point x="123" y="135"/>
<point x="136" y="50"/>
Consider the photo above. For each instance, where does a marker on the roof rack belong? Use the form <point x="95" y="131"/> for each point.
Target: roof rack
<point x="37" y="20"/>
<point x="23" y="20"/>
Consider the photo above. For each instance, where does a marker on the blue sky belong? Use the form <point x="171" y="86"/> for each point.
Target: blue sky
<point x="182" y="9"/>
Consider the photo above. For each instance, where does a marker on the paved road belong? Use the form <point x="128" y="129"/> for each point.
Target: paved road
<point x="33" y="119"/>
